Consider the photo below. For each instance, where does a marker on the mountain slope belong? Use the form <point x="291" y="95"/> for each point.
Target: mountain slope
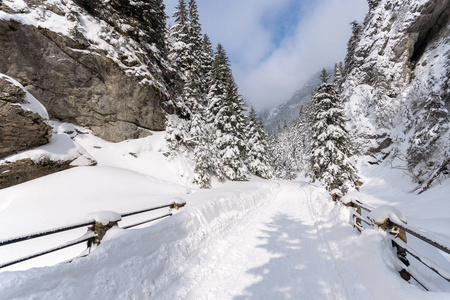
<point x="284" y="114"/>
<point x="397" y="92"/>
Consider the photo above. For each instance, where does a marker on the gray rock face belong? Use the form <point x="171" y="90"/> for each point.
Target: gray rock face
<point x="397" y="95"/>
<point x="24" y="170"/>
<point x="19" y="129"/>
<point x="78" y="86"/>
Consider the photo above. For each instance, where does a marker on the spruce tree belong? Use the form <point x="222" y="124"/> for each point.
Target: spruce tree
<point x="226" y="114"/>
<point x="330" y="154"/>
<point x="433" y="124"/>
<point x="203" y="135"/>
<point x="350" y="61"/>
<point x="180" y="49"/>
<point x="257" y="149"/>
<point x="207" y="55"/>
<point x="157" y="18"/>
<point x="337" y="76"/>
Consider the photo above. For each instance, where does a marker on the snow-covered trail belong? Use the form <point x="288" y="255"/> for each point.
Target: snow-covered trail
<point x="278" y="254"/>
<point x="294" y="247"/>
<point x="255" y="240"/>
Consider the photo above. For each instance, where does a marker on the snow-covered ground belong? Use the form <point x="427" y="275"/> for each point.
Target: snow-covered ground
<point x="239" y="240"/>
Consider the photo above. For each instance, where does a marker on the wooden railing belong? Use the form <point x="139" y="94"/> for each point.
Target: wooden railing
<point x="397" y="233"/>
<point x="95" y="232"/>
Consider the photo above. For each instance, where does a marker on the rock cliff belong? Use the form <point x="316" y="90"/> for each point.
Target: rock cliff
<point x="83" y="69"/>
<point x="19" y="129"/>
<point x="30" y="147"/>
<point x="396" y="85"/>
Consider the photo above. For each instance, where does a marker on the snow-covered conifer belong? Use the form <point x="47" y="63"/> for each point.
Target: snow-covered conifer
<point x="180" y="49"/>
<point x="330" y="152"/>
<point x="257" y="155"/>
<point x="433" y="124"/>
<point x="337" y="77"/>
<point x="352" y="43"/>
<point x="207" y="55"/>
<point x="226" y="113"/>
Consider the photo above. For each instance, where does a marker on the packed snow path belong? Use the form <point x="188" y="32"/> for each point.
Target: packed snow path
<point x="296" y="246"/>
<point x="250" y="240"/>
<point x="279" y="253"/>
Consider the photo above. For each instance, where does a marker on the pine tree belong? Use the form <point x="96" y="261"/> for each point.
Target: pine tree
<point x="207" y="55"/>
<point x="350" y="61"/>
<point x="180" y="51"/>
<point x="257" y="148"/>
<point x="195" y="37"/>
<point x="283" y="154"/>
<point x="226" y="114"/>
<point x="186" y="51"/>
<point x="433" y="125"/>
<point x="157" y="18"/>
<point x="203" y="134"/>
<point x="330" y="141"/>
<point x="373" y="3"/>
<point x="303" y="135"/>
<point x="337" y="77"/>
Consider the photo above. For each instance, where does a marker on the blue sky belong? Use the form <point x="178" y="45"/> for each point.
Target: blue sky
<point x="275" y="45"/>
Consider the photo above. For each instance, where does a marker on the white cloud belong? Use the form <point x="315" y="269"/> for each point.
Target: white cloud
<point x="268" y="73"/>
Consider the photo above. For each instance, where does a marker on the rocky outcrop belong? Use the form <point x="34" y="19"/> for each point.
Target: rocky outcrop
<point x="17" y="172"/>
<point x="78" y="87"/>
<point x="398" y="86"/>
<point x="100" y="80"/>
<point x="19" y="129"/>
<point x="29" y="146"/>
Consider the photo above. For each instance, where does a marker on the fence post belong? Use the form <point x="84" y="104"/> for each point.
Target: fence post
<point x="389" y="227"/>
<point x="356" y="219"/>
<point x="176" y="205"/>
<point x="100" y="230"/>
<point x="103" y="221"/>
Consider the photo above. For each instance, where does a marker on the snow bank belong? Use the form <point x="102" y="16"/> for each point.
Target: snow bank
<point x="60" y="148"/>
<point x="146" y="156"/>
<point x="139" y="263"/>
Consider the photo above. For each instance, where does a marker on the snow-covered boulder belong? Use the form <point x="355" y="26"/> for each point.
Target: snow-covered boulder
<point x="28" y="147"/>
<point x="20" y="127"/>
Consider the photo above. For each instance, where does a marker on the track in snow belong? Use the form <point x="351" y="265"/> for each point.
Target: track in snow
<point x="280" y="252"/>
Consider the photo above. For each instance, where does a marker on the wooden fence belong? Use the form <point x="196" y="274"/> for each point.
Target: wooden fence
<point x="93" y="236"/>
<point x="398" y="234"/>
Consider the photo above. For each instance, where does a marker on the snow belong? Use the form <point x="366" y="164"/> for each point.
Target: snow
<point x="38" y="17"/>
<point x="104" y="217"/>
<point x="60" y="148"/>
<point x="258" y="239"/>
<point x="382" y="213"/>
<point x="254" y="239"/>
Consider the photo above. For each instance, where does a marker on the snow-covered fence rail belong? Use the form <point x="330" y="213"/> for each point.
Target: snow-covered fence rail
<point x="97" y="226"/>
<point x="392" y="221"/>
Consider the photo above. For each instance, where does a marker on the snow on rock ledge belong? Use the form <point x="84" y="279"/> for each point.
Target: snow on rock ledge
<point x="28" y="147"/>
<point x="381" y="214"/>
